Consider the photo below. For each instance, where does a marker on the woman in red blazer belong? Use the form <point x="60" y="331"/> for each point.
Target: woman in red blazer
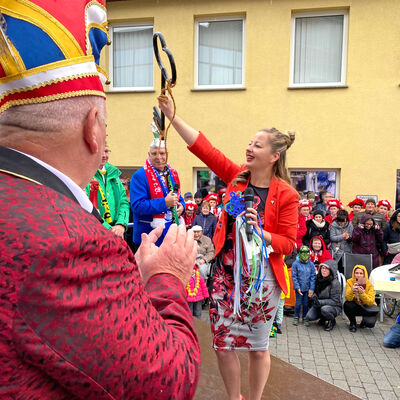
<point x="265" y="171"/>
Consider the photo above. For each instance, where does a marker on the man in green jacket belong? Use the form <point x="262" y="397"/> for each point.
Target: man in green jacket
<point x="112" y="202"/>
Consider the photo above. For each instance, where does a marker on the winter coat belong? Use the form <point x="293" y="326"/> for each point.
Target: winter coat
<point x="314" y="230"/>
<point x="322" y="255"/>
<point x="303" y="275"/>
<point x="280" y="217"/>
<point x="206" y="248"/>
<point x="378" y="218"/>
<point x="366" y="298"/>
<point x="202" y="292"/>
<point x="301" y="229"/>
<point x="115" y="194"/>
<point x="207" y="222"/>
<point x="332" y="294"/>
<point x="390" y="236"/>
<point x="367" y="241"/>
<point x="339" y="245"/>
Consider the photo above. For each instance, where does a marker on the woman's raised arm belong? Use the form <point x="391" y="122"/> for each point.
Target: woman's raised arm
<point x="188" y="134"/>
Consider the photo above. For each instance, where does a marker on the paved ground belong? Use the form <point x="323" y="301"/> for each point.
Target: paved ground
<point x="356" y="362"/>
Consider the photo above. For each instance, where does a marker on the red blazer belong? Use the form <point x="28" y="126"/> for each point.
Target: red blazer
<point x="76" y="319"/>
<point x="281" y="210"/>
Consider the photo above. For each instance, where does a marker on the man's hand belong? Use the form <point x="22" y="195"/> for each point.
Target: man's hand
<point x="166" y="105"/>
<point x="179" y="209"/>
<point x="299" y="292"/>
<point x="119" y="230"/>
<point x="176" y="255"/>
<point x="171" y="200"/>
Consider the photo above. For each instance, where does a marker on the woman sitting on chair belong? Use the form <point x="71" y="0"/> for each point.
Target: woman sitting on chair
<point x="360" y="300"/>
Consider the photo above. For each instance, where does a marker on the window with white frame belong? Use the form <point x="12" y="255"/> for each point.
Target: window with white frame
<point x="131" y="61"/>
<point x="319" y="49"/>
<point x="219" y="53"/>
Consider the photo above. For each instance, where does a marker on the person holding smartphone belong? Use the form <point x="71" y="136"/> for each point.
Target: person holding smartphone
<point x="360" y="300"/>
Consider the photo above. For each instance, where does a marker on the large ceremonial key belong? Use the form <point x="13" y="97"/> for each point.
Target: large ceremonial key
<point x="159" y="118"/>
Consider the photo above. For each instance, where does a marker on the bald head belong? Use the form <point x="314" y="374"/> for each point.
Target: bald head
<point x="68" y="134"/>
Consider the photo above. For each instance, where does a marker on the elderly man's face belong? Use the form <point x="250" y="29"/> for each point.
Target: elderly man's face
<point x="197" y="235"/>
<point x="158" y="158"/>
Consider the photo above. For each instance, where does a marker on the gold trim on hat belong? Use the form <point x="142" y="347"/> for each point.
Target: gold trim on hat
<point x="47" y="67"/>
<point x="44" y="99"/>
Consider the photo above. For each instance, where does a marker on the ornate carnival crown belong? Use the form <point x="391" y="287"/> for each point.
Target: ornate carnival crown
<point x="50" y="50"/>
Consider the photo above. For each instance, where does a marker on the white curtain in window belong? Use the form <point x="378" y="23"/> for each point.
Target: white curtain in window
<point x="318" y="49"/>
<point x="220" y="53"/>
<point x="133" y="56"/>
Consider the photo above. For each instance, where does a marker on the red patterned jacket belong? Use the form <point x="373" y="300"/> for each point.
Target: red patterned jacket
<point x="76" y="320"/>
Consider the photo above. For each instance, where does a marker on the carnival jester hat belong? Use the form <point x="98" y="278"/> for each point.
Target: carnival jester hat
<point x="158" y="141"/>
<point x="50" y="50"/>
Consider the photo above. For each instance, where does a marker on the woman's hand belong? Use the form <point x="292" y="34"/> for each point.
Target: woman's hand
<point x="253" y="215"/>
<point x="166" y="105"/>
<point x="355" y="289"/>
<point x="361" y="290"/>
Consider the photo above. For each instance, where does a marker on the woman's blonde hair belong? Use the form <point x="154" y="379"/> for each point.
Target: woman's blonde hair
<point x="280" y="142"/>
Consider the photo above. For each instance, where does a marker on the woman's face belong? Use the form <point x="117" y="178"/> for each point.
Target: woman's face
<point x="382" y="210"/>
<point x="356" y="208"/>
<point x="305" y="211"/>
<point x="325" y="271"/>
<point x="398" y="217"/>
<point x="316" y="245"/>
<point x="189" y="212"/>
<point x="318" y="218"/>
<point x="333" y="211"/>
<point x="213" y="203"/>
<point x="359" y="273"/>
<point x="368" y="224"/>
<point x="205" y="210"/>
<point x="258" y="152"/>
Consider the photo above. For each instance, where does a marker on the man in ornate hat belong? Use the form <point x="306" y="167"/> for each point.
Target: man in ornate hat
<point x="152" y="192"/>
<point x="108" y="195"/>
<point x="78" y="318"/>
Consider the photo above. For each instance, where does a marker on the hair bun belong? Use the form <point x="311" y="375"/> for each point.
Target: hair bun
<point x="290" y="136"/>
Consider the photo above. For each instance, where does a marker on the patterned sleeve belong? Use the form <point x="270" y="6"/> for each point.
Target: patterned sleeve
<point x="86" y="320"/>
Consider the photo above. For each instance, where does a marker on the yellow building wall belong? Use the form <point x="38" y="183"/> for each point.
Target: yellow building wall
<point x="353" y="129"/>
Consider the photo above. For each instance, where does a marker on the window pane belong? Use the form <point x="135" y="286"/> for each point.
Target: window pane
<point x="318" y="49"/>
<point x="220" y="53"/>
<point x="314" y="181"/>
<point x="133" y="56"/>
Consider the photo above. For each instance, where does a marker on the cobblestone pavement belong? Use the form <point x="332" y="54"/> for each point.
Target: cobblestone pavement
<point x="356" y="362"/>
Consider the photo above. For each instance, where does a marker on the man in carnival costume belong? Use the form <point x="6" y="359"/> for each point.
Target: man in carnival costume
<point x="78" y="317"/>
<point x="108" y="195"/>
<point x="152" y="197"/>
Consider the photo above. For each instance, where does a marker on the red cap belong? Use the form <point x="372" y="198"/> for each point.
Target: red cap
<point x="355" y="202"/>
<point x="384" y="203"/>
<point x="305" y="203"/>
<point x="334" y="203"/>
<point x="212" y="196"/>
<point x="191" y="205"/>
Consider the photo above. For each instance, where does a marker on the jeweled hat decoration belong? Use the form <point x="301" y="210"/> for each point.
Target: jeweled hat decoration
<point x="50" y="50"/>
<point x="157" y="140"/>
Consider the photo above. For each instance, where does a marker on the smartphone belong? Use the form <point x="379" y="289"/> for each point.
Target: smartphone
<point x="361" y="282"/>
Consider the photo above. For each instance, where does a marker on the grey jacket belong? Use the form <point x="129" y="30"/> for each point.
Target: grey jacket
<point x="339" y="246"/>
<point x="332" y="294"/>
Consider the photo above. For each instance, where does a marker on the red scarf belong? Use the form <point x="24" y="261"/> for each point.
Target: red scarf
<point x="156" y="190"/>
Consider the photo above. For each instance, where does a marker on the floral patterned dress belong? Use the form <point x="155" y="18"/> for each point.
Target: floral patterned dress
<point x="249" y="330"/>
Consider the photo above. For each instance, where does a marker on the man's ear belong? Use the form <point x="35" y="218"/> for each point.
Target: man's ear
<point x="89" y="131"/>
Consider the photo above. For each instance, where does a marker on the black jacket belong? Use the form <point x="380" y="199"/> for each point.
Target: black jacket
<point x="313" y="230"/>
<point x="390" y="236"/>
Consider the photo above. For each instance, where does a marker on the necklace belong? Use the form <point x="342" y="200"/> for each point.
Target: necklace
<point x="196" y="286"/>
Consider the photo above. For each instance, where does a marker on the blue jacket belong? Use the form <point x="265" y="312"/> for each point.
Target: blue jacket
<point x="144" y="207"/>
<point x="207" y="222"/>
<point x="303" y="275"/>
